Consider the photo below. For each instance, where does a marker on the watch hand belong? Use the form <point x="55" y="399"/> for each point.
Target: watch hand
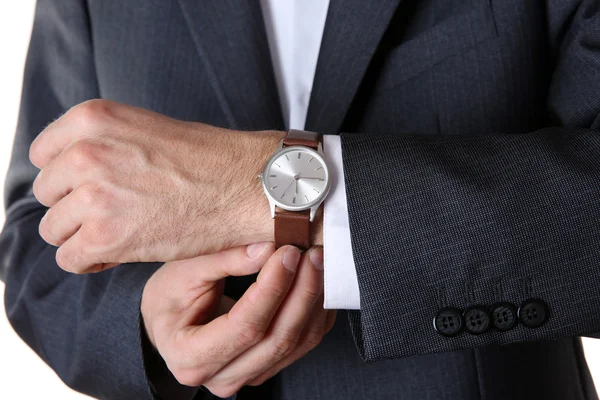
<point x="296" y="190"/>
<point x="286" y="189"/>
<point x="306" y="177"/>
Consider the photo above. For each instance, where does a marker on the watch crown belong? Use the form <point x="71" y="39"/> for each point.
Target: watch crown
<point x="260" y="176"/>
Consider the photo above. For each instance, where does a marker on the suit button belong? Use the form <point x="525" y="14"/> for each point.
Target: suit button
<point x="504" y="316"/>
<point x="477" y="320"/>
<point x="448" y="321"/>
<point x="533" y="313"/>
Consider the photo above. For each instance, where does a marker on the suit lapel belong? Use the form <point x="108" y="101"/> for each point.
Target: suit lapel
<point x="231" y="40"/>
<point x="352" y="33"/>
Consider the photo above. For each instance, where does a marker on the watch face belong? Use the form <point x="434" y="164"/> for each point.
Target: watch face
<point x="296" y="178"/>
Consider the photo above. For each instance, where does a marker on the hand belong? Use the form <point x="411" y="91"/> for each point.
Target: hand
<point x="128" y="185"/>
<point x="208" y="339"/>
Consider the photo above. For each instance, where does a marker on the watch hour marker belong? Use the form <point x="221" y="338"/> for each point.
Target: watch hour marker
<point x="316" y="169"/>
<point x="287" y="158"/>
<point x="294" y="200"/>
<point x="299" y="154"/>
<point x="316" y="190"/>
<point x="274" y="187"/>
<point x="273" y="176"/>
<point x="306" y="197"/>
<point x="277" y="164"/>
<point x="310" y="159"/>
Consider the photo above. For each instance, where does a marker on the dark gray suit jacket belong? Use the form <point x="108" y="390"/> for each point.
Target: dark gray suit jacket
<point x="472" y="166"/>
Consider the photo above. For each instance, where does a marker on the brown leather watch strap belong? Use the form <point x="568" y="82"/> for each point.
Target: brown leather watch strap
<point x="291" y="141"/>
<point x="292" y="227"/>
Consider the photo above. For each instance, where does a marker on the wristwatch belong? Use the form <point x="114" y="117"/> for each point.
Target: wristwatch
<point x="295" y="181"/>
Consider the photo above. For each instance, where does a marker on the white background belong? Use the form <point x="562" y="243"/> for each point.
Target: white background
<point x="24" y="375"/>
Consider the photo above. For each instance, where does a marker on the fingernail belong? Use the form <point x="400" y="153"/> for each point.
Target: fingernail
<point x="291" y="259"/>
<point x="316" y="258"/>
<point x="255" y="249"/>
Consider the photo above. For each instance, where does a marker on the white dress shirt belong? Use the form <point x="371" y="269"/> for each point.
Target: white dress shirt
<point x="294" y="30"/>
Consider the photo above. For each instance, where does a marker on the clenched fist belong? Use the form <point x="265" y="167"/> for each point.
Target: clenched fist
<point x="128" y="185"/>
<point x="208" y="339"/>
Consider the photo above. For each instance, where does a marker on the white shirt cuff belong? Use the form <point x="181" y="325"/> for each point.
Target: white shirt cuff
<point x="341" y="284"/>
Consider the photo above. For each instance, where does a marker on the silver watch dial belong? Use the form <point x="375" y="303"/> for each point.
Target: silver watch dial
<point x="296" y="178"/>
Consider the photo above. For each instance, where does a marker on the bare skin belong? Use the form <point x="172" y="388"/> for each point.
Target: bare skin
<point x="125" y="184"/>
<point x="208" y="339"/>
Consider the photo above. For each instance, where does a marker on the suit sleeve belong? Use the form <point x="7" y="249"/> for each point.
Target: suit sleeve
<point x="86" y="328"/>
<point x="464" y="221"/>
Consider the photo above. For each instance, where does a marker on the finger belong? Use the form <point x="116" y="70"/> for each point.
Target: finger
<point x="285" y="332"/>
<point x="206" y="349"/>
<point x="81" y="121"/>
<point x="73" y="256"/>
<point x="78" y="256"/>
<point x="319" y="324"/>
<point x="189" y="276"/>
<point x="236" y="261"/>
<point x="62" y="220"/>
<point x="37" y="149"/>
<point x="77" y="165"/>
<point x="52" y="140"/>
<point x="199" y="274"/>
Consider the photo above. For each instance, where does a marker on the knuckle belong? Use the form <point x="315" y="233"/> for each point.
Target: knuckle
<point x="313" y="338"/>
<point x="96" y="232"/>
<point x="94" y="196"/>
<point x="86" y="196"/>
<point x="283" y="344"/>
<point x="271" y="290"/>
<point x="250" y="334"/>
<point x="310" y="295"/>
<point x="83" y="155"/>
<point x="91" y="112"/>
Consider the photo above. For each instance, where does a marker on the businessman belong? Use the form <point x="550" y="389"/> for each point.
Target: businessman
<point x="197" y="187"/>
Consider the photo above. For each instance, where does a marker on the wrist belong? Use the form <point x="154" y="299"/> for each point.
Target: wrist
<point x="254" y="222"/>
<point x="260" y="226"/>
<point x="257" y="224"/>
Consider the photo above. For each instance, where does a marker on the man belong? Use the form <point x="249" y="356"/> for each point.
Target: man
<point x="468" y="159"/>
